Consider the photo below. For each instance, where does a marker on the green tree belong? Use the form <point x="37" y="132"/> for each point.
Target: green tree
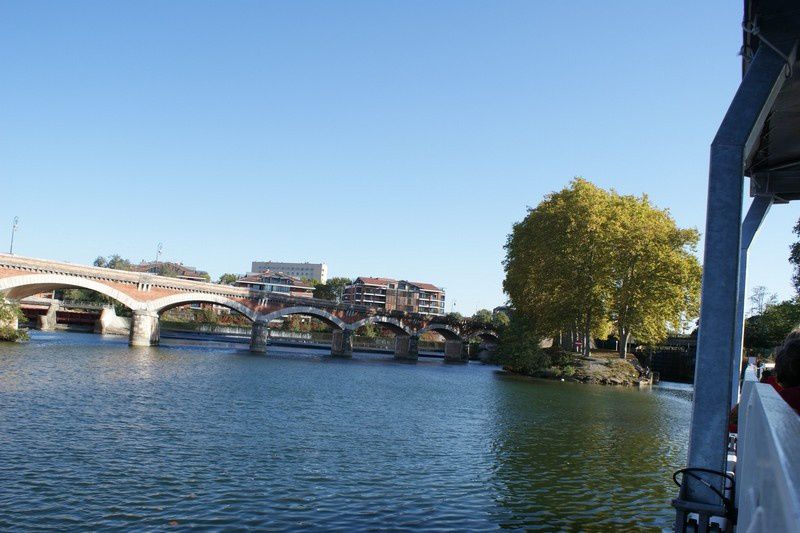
<point x="500" y="320"/>
<point x="331" y="289"/>
<point x="114" y="261"/>
<point x="227" y="279"/>
<point x="519" y="350"/>
<point x="484" y="316"/>
<point x="794" y="258"/>
<point x="370" y="331"/>
<point x="10" y="314"/>
<point x="655" y="274"/>
<point x="765" y="331"/>
<point x="586" y="261"/>
<point x="558" y="270"/>
<point x="455" y="316"/>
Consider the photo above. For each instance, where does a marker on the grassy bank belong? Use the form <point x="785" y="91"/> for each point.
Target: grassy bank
<point x="601" y="368"/>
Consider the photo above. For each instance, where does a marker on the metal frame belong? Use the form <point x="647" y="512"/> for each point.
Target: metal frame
<point x="730" y="150"/>
<point x="752" y="222"/>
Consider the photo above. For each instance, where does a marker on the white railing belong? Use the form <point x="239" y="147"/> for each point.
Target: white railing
<point x="768" y="460"/>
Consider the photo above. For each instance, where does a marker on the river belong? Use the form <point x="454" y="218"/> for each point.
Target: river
<point x="94" y="434"/>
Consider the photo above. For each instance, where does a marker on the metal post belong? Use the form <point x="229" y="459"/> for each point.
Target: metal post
<point x="752" y="222"/>
<point x="14" y="227"/>
<point x="731" y="146"/>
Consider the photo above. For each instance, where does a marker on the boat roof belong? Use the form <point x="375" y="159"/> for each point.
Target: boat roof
<point x="774" y="163"/>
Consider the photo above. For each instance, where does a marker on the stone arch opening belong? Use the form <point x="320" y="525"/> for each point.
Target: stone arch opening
<point x="448" y="332"/>
<point x="167" y="303"/>
<point x="84" y="312"/>
<point x="333" y="321"/>
<point x="485" y="335"/>
<point x="19" y="287"/>
<point x="392" y="324"/>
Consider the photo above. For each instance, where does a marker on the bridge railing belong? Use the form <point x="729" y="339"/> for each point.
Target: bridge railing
<point x="768" y="460"/>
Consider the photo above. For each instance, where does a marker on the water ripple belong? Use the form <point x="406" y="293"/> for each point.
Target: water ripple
<point x="94" y="435"/>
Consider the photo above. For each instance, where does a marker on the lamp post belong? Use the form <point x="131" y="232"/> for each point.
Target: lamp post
<point x="14" y="227"/>
<point x="158" y="251"/>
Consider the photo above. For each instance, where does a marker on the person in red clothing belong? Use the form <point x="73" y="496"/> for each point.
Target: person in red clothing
<point x="768" y="377"/>
<point x="787" y="371"/>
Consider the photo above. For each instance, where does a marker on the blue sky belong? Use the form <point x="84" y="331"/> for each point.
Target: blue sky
<point x="400" y="139"/>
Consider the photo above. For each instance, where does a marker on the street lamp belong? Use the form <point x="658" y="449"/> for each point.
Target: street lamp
<point x="158" y="251"/>
<point x="14" y="227"/>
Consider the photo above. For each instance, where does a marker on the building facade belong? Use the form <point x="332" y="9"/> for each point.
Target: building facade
<point x="317" y="271"/>
<point x="390" y="294"/>
<point x="279" y="282"/>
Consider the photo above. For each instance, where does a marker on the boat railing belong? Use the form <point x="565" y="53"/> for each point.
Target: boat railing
<point x="768" y="460"/>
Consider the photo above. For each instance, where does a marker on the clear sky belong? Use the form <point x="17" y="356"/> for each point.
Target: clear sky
<point x="396" y="139"/>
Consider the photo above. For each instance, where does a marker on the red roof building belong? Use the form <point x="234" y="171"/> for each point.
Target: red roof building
<point x="391" y="294"/>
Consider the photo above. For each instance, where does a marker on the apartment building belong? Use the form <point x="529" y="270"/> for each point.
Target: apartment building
<point x="390" y="294"/>
<point x="279" y="282"/>
<point x="317" y="271"/>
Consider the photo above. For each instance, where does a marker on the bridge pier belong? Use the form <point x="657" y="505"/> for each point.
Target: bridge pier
<point x="144" y="328"/>
<point x="342" y="343"/>
<point x="47" y="322"/>
<point x="259" y="337"/>
<point x="455" y="352"/>
<point x="406" y="347"/>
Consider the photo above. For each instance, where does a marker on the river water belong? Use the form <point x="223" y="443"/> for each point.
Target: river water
<point x="94" y="434"/>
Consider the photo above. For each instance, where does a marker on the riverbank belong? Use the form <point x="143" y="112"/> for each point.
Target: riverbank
<point x="600" y="368"/>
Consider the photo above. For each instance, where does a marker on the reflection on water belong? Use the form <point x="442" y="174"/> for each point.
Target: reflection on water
<point x="572" y="455"/>
<point x="94" y="434"/>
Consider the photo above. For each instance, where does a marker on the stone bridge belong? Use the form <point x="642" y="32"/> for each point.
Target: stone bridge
<point x="148" y="295"/>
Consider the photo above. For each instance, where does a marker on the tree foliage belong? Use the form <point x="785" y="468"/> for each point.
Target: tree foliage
<point x="227" y="279"/>
<point x="331" y="289"/>
<point x="794" y="258"/>
<point x="587" y="261"/>
<point x="10" y="314"/>
<point x="655" y="274"/>
<point x="768" y="329"/>
<point x="114" y="261"/>
<point x="519" y="350"/>
<point x="483" y="316"/>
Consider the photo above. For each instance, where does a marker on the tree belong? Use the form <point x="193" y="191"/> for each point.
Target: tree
<point x="760" y="299"/>
<point x="586" y="261"/>
<point x="768" y="329"/>
<point x="227" y="279"/>
<point x="454" y="316"/>
<point x="794" y="258"/>
<point x="114" y="261"/>
<point x="331" y="289"/>
<point x="655" y="274"/>
<point x="519" y="350"/>
<point x="10" y="314"/>
<point x="558" y="271"/>
<point x="500" y="320"/>
<point x="483" y="316"/>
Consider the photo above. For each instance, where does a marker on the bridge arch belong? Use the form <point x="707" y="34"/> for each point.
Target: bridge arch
<point x="392" y="323"/>
<point x="176" y="300"/>
<point x="448" y="332"/>
<point x="304" y="310"/>
<point x="18" y="287"/>
<point x="485" y="335"/>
